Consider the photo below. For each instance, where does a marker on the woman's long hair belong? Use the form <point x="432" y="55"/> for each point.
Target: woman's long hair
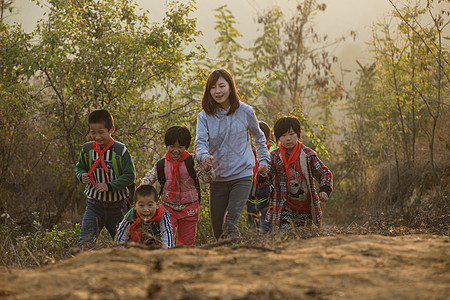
<point x="209" y="105"/>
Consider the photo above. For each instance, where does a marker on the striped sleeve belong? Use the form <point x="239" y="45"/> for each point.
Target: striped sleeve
<point x="122" y="231"/>
<point x="165" y="229"/>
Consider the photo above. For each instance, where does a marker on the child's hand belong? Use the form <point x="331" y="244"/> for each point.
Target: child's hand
<point x="208" y="162"/>
<point x="84" y="178"/>
<point x="323" y="196"/>
<point x="263" y="170"/>
<point x="101" y="187"/>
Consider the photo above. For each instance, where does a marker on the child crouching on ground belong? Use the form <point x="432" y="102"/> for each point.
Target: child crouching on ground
<point x="178" y="174"/>
<point x="292" y="170"/>
<point x="147" y="222"/>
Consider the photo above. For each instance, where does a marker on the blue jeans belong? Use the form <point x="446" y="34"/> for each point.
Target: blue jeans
<point x="98" y="215"/>
<point x="226" y="203"/>
<point x="256" y="215"/>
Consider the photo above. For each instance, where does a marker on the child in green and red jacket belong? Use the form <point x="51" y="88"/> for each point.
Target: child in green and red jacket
<point x="106" y="167"/>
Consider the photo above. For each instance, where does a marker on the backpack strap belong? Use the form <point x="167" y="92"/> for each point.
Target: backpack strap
<point x="189" y="162"/>
<point x="161" y="175"/>
<point x="117" y="154"/>
<point x="87" y="150"/>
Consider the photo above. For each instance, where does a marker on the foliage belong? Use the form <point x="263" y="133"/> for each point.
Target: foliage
<point x="38" y="247"/>
<point x="294" y="53"/>
<point x="90" y="54"/>
<point x="109" y="54"/>
<point x="410" y="68"/>
<point x="395" y="106"/>
<point x="101" y="54"/>
<point x="232" y="56"/>
<point x="50" y="242"/>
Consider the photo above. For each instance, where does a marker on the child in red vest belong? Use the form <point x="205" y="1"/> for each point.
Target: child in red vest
<point x="178" y="173"/>
<point x="292" y="170"/>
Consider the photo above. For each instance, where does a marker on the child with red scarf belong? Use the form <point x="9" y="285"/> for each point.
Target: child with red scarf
<point x="292" y="170"/>
<point x="147" y="222"/>
<point x="106" y="167"/>
<point x="178" y="173"/>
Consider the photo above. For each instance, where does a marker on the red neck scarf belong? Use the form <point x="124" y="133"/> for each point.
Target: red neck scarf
<point x="175" y="172"/>
<point x="135" y="230"/>
<point x="293" y="157"/>
<point x="100" y="152"/>
<point x="256" y="167"/>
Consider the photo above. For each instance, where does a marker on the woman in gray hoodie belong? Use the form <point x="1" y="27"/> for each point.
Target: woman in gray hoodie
<point x="223" y="142"/>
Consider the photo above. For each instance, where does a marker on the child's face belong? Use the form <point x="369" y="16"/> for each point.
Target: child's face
<point x="176" y="150"/>
<point x="288" y="140"/>
<point x="100" y="133"/>
<point x="145" y="207"/>
<point x="220" y="92"/>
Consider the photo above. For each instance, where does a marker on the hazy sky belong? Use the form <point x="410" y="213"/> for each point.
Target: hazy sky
<point x="340" y="17"/>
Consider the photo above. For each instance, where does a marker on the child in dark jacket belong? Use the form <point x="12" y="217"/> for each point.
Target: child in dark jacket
<point x="147" y="222"/>
<point x="178" y="174"/>
<point x="258" y="203"/>
<point x="292" y="170"/>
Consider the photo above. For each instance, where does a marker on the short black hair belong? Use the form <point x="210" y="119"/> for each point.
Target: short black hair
<point x="284" y="124"/>
<point x="145" y="190"/>
<point x="264" y="128"/>
<point x="101" y="116"/>
<point x="178" y="133"/>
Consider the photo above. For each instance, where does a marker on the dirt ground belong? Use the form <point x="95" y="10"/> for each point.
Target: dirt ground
<point x="343" y="266"/>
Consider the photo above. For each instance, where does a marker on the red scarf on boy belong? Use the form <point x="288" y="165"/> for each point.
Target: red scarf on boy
<point x="135" y="230"/>
<point x="176" y="172"/>
<point x="100" y="159"/>
<point x="293" y="157"/>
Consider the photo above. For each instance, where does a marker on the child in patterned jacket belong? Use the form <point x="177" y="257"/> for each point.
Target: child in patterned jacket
<point x="147" y="222"/>
<point x="292" y="170"/>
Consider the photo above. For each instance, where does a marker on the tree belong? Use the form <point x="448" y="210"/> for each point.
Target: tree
<point x="5" y="5"/>
<point x="92" y="54"/>
<point x="432" y="51"/>
<point x="231" y="55"/>
<point x="411" y="67"/>
<point x="293" y="52"/>
<point x="298" y="64"/>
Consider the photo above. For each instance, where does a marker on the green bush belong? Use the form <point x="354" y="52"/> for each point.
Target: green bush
<point x="52" y="243"/>
<point x="37" y="247"/>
